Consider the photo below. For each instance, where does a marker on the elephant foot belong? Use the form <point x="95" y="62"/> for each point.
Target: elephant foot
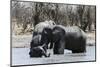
<point x="77" y="51"/>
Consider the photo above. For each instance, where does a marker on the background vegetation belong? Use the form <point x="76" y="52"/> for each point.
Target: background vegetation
<point x="25" y="15"/>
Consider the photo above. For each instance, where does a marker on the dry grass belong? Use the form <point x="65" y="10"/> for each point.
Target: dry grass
<point x="91" y="36"/>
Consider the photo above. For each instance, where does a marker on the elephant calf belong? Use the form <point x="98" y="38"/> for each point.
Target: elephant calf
<point x="37" y="48"/>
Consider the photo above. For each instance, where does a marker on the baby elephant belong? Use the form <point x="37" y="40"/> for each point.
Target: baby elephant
<point x="37" y="48"/>
<point x="38" y="51"/>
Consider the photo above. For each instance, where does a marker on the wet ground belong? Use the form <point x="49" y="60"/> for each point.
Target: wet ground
<point x="20" y="56"/>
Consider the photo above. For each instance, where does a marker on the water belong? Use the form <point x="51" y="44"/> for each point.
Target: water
<point x="20" y="56"/>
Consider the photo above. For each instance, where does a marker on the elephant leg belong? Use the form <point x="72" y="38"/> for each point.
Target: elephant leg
<point x="59" y="47"/>
<point x="77" y="51"/>
<point x="62" y="47"/>
<point x="55" y="49"/>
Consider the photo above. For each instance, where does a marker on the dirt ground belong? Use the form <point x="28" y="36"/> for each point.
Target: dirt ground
<point x="24" y="40"/>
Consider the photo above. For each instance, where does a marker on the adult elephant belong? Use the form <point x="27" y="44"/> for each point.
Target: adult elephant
<point x="71" y="38"/>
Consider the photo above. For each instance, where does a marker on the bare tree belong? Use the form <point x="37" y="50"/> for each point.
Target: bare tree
<point x="32" y="13"/>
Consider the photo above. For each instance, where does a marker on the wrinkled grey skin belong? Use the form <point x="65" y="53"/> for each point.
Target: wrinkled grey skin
<point x="41" y="39"/>
<point x="47" y="37"/>
<point x="38" y="51"/>
<point x="37" y="48"/>
<point x="71" y="38"/>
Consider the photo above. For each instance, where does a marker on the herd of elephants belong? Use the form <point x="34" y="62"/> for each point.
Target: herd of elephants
<point x="48" y="35"/>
